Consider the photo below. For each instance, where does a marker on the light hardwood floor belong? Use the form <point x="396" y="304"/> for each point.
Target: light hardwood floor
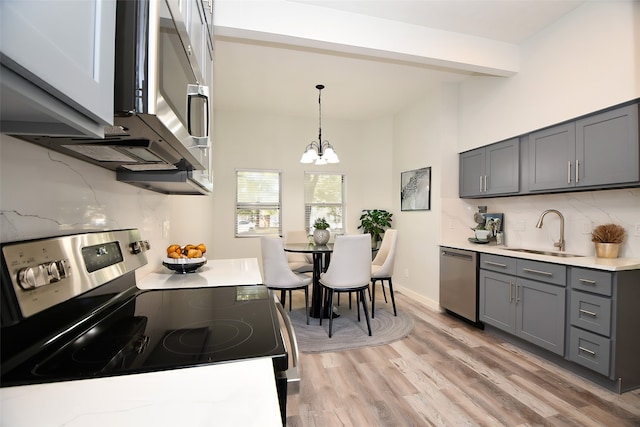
<point x="447" y="373"/>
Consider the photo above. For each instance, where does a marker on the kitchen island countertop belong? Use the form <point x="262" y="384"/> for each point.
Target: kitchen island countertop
<point x="216" y="272"/>
<point x="230" y="394"/>
<point x="608" y="264"/>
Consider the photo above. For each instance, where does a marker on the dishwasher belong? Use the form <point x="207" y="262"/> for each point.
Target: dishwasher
<point x="459" y="283"/>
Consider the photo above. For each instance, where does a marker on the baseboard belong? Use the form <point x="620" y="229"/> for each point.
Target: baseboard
<point x="427" y="302"/>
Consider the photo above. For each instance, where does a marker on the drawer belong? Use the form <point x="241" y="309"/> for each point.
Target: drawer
<point x="542" y="271"/>
<point x="498" y="263"/>
<point x="591" y="312"/>
<point x="590" y="350"/>
<point x="598" y="282"/>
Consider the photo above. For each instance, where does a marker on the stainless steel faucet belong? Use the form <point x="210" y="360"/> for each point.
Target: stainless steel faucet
<point x="560" y="243"/>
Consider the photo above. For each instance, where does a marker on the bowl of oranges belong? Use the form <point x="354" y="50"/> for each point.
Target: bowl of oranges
<point x="185" y="259"/>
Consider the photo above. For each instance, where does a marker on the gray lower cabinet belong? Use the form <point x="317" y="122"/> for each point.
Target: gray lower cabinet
<point x="491" y="170"/>
<point x="604" y="324"/>
<point x="597" y="311"/>
<point x="526" y="298"/>
<point x="595" y="151"/>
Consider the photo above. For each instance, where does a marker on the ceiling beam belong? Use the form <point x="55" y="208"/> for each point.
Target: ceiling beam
<point x="308" y="26"/>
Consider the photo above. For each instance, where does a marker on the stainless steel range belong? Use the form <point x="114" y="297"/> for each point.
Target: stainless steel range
<point x="71" y="310"/>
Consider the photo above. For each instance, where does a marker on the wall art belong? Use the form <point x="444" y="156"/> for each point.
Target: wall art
<point x="415" y="190"/>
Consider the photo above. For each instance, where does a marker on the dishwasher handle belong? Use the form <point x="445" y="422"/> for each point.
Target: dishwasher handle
<point x="457" y="255"/>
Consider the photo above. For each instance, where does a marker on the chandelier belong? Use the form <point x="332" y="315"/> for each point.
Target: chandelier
<point x="319" y="152"/>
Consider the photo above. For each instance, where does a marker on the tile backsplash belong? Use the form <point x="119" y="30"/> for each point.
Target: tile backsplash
<point x="582" y="212"/>
<point x="45" y="193"/>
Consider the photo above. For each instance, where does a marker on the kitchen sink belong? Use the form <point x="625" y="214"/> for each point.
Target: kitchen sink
<point x="548" y="253"/>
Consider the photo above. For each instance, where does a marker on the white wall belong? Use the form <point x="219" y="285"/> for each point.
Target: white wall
<point x="424" y="135"/>
<point x="586" y="61"/>
<point x="44" y="193"/>
<point x="261" y="141"/>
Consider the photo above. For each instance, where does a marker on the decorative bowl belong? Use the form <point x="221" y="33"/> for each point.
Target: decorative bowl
<point x="184" y="265"/>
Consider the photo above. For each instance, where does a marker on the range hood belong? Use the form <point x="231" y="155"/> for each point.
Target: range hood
<point x="141" y="158"/>
<point x="167" y="182"/>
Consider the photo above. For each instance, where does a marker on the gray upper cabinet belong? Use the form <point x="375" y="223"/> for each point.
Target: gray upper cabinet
<point x="607" y="147"/>
<point x="57" y="67"/>
<point x="599" y="150"/>
<point x="550" y="154"/>
<point x="490" y="170"/>
<point x="472" y="165"/>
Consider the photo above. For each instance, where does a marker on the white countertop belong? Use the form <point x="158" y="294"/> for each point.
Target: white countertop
<point x="231" y="394"/>
<point x="216" y="272"/>
<point x="609" y="264"/>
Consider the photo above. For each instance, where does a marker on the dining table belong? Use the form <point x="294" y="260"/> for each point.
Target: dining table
<point x="321" y="255"/>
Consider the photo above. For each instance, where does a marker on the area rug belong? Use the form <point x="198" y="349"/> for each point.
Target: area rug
<point x="348" y="333"/>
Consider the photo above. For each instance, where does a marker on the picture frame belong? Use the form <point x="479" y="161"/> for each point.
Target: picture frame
<point x="415" y="190"/>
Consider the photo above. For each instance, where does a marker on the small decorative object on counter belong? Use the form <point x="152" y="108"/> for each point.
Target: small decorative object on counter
<point x="185" y="259"/>
<point x="321" y="232"/>
<point x="478" y="217"/>
<point x="500" y="238"/>
<point x="607" y="239"/>
<point x="482" y="235"/>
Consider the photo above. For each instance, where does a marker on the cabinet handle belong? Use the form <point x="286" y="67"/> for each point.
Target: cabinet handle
<point x="497" y="264"/>
<point x="510" y="292"/>
<point x="485" y="183"/>
<point x="577" y="171"/>
<point x="544" y="273"/>
<point x="586" y="350"/>
<point x="517" y="292"/>
<point x="587" y="281"/>
<point x="590" y="313"/>
<point x="481" y="183"/>
<point x="568" y="171"/>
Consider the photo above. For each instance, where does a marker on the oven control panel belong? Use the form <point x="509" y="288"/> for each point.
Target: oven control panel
<point x="43" y="274"/>
<point x="46" y="272"/>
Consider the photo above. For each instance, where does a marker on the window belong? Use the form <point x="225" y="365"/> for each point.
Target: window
<point x="324" y="198"/>
<point x="257" y="203"/>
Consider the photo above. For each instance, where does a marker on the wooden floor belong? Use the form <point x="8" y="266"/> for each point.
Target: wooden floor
<point x="446" y="373"/>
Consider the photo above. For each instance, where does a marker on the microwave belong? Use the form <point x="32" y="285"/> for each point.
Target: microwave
<point x="160" y="139"/>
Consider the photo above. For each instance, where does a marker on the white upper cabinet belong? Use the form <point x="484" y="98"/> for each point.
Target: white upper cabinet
<point x="57" y="66"/>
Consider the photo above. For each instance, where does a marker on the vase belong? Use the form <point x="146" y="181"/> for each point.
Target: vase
<point x="321" y="237"/>
<point x="607" y="250"/>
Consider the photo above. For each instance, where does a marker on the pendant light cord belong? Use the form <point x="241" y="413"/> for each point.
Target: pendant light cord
<point x="320" y="87"/>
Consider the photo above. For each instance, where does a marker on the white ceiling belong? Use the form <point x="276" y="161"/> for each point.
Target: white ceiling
<point x="281" y="77"/>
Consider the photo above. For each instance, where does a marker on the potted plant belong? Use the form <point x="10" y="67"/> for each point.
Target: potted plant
<point x="321" y="232"/>
<point x="374" y="222"/>
<point x="608" y="238"/>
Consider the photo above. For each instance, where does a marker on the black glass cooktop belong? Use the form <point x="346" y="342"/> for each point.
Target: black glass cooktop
<point x="164" y="329"/>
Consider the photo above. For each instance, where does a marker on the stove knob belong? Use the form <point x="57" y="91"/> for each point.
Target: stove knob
<point x="32" y="277"/>
<point x="135" y="248"/>
<point x="27" y="278"/>
<point x="53" y="271"/>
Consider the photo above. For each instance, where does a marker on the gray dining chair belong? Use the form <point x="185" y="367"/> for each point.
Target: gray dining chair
<point x="349" y="271"/>
<point x="278" y="276"/>
<point x="298" y="262"/>
<point x="382" y="268"/>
